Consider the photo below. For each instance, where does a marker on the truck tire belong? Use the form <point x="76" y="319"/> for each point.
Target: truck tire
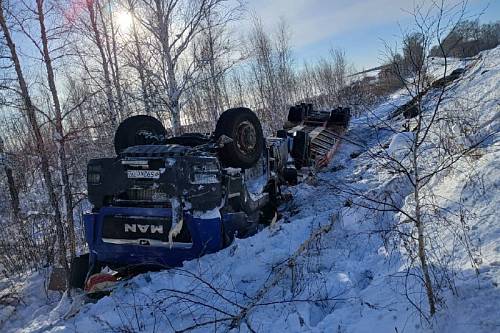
<point x="243" y="126"/>
<point x="78" y="271"/>
<point x="139" y="130"/>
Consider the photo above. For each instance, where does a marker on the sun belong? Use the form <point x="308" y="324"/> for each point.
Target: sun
<point x="124" y="21"/>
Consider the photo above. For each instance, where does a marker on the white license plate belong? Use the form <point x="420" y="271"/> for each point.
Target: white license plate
<point x="148" y="174"/>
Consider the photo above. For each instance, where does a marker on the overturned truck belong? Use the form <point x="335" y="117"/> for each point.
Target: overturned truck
<point x="163" y="200"/>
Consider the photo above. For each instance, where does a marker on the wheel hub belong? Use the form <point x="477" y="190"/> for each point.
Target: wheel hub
<point x="246" y="137"/>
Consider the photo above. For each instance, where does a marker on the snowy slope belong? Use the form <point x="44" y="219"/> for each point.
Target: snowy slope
<point x="347" y="279"/>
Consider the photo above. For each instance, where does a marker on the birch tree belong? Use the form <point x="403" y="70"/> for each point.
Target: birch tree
<point x="30" y="110"/>
<point x="109" y="33"/>
<point x="60" y="137"/>
<point x="93" y="12"/>
<point x="138" y="56"/>
<point x="418" y="154"/>
<point x="175" y="26"/>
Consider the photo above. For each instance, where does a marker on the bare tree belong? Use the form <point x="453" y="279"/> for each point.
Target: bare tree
<point x="418" y="154"/>
<point x="109" y="33"/>
<point x="271" y="73"/>
<point x="40" y="144"/>
<point x="138" y="61"/>
<point x="93" y="16"/>
<point x="175" y="26"/>
<point x="285" y="63"/>
<point x="413" y="53"/>
<point x="468" y="38"/>
<point x="329" y="78"/>
<point x="215" y="52"/>
<point x="60" y="139"/>
<point x="13" y="189"/>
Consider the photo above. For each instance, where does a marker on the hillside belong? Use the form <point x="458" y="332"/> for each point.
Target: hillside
<point x="350" y="277"/>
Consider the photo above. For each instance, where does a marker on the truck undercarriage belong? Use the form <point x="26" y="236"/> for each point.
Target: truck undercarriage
<point x="162" y="201"/>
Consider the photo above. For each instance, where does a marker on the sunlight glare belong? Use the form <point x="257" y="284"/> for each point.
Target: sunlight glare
<point x="124" y="21"/>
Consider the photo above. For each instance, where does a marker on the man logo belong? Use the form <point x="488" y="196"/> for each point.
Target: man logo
<point x="143" y="228"/>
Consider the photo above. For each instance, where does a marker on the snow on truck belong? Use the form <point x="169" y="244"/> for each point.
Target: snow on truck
<point x="163" y="200"/>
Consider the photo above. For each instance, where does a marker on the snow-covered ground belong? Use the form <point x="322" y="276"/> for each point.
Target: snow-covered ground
<point x="346" y="280"/>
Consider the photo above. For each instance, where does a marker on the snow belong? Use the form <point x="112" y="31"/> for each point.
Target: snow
<point x="400" y="145"/>
<point x="209" y="214"/>
<point x="437" y="66"/>
<point x="350" y="279"/>
<point x="33" y="305"/>
<point x="233" y="171"/>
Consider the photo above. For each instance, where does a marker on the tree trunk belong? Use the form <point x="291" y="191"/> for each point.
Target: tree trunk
<point x="423" y="259"/>
<point x="118" y="85"/>
<point x="175" y="116"/>
<point x="60" y="140"/>
<point x="420" y="224"/>
<point x="140" y="64"/>
<point x="173" y="96"/>
<point x="112" y="57"/>
<point x="214" y="92"/>
<point x="19" y="220"/>
<point x="104" y="62"/>
<point x="40" y="145"/>
<point x="13" y="192"/>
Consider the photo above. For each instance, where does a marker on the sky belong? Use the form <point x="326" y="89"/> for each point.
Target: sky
<point x="359" y="27"/>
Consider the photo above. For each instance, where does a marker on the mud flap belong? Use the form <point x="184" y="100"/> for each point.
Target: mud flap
<point x="57" y="279"/>
<point x="238" y="225"/>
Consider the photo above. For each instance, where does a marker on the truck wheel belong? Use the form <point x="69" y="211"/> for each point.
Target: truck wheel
<point x="78" y="271"/>
<point x="243" y="126"/>
<point x="139" y="130"/>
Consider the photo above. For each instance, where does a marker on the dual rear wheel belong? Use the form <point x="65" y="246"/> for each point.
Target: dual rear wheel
<point x="241" y="125"/>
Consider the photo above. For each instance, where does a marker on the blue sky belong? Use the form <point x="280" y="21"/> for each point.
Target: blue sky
<point x="360" y="27"/>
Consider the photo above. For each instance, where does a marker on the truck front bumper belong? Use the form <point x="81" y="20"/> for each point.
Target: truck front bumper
<point x="206" y="237"/>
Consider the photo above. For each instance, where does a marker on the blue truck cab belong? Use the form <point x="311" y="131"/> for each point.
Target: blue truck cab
<point x="164" y="200"/>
